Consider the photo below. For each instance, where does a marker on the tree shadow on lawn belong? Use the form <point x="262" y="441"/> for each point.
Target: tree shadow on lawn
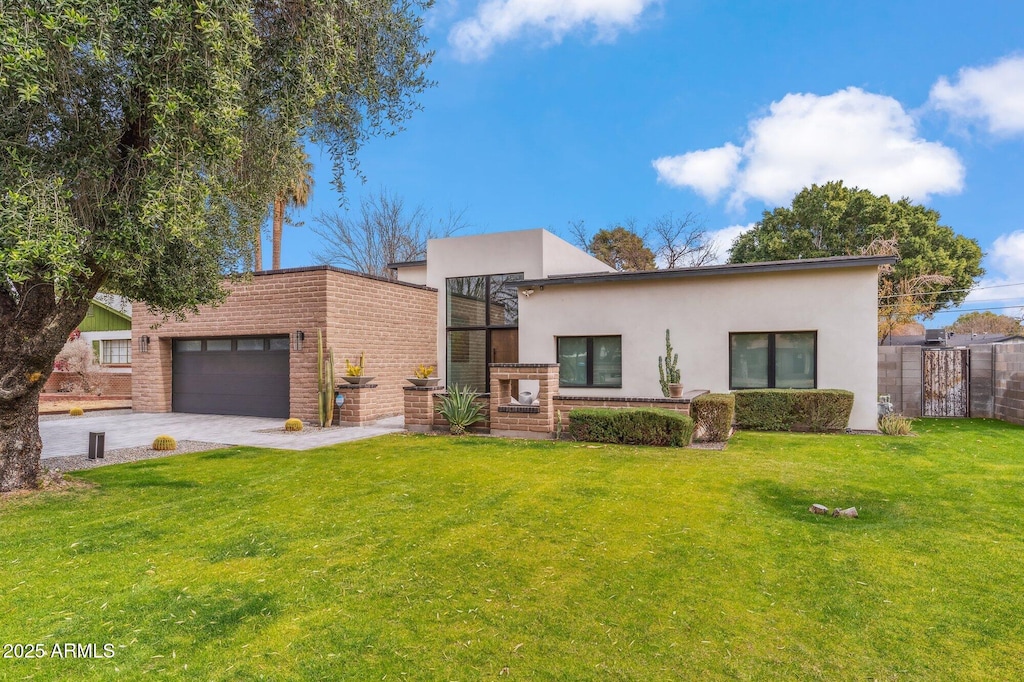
<point x="873" y="506"/>
<point x="146" y="474"/>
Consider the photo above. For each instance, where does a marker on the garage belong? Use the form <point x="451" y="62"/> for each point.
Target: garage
<point x="246" y="376"/>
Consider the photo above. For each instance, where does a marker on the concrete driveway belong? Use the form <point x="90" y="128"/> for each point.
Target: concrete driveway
<point x="62" y="437"/>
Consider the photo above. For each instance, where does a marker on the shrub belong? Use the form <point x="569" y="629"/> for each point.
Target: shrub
<point x="293" y="424"/>
<point x="424" y="371"/>
<point x="76" y="411"/>
<point x="165" y="443"/>
<point x="713" y="414"/>
<point x="780" y="409"/>
<point x="895" y="425"/>
<point x="460" y="408"/>
<point x="633" y="426"/>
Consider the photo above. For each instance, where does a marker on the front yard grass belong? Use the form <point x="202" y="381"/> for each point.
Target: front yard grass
<point x="423" y="558"/>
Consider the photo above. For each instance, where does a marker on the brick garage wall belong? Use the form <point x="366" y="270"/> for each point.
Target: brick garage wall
<point x="1008" y="382"/>
<point x="394" y="323"/>
<point x="271" y="303"/>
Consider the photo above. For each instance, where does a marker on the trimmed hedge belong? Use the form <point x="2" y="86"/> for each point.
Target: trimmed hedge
<point x="792" y="409"/>
<point x="631" y="426"/>
<point x="713" y="414"/>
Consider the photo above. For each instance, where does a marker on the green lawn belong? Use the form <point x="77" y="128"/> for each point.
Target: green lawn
<point x="431" y="558"/>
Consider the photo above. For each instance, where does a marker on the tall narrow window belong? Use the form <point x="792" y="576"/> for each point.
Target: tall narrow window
<point x="482" y="326"/>
<point x="773" y="360"/>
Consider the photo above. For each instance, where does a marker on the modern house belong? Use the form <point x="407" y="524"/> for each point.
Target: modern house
<point x="793" y="324"/>
<point x="522" y="309"/>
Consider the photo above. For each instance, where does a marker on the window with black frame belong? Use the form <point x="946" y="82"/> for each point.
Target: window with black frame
<point x="773" y="360"/>
<point x="589" y="361"/>
<point x="482" y="326"/>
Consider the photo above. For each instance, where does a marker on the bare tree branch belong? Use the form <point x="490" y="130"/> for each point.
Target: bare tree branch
<point x="384" y="232"/>
<point x="681" y="241"/>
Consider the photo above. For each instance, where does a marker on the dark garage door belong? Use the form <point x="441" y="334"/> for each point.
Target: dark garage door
<point x="242" y="376"/>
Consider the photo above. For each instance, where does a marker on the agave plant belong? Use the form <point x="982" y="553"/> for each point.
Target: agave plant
<point x="460" y="408"/>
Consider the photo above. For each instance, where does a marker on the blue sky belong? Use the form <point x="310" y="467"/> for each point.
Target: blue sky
<point x="550" y="111"/>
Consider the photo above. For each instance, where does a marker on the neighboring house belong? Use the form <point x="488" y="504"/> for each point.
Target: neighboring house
<point x="523" y="297"/>
<point x="940" y="338"/>
<point x="795" y="324"/>
<point x="108" y="327"/>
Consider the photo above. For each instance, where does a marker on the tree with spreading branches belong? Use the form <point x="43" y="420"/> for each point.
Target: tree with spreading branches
<point x="140" y="145"/>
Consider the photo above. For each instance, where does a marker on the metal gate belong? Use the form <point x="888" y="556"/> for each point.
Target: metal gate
<point x="946" y="378"/>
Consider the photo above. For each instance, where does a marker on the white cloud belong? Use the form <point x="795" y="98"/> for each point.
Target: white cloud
<point x="723" y="239"/>
<point x="864" y="139"/>
<point x="993" y="94"/>
<point x="710" y="171"/>
<point x="500" y="21"/>
<point x="1004" y="284"/>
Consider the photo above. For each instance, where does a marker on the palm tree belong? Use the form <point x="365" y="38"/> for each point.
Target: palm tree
<point x="295" y="194"/>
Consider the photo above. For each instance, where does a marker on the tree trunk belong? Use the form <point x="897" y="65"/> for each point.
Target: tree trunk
<point x="36" y="326"/>
<point x="278" y="224"/>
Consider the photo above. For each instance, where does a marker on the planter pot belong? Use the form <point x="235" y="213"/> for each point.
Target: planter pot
<point x="675" y="390"/>
<point x="358" y="381"/>
<point x="429" y="381"/>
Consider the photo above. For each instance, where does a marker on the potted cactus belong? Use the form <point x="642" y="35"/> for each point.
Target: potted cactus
<point x="668" y="371"/>
<point x="356" y="374"/>
<point x="423" y="376"/>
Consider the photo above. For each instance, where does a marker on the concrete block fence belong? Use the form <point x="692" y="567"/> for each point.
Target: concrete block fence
<point x="996" y="380"/>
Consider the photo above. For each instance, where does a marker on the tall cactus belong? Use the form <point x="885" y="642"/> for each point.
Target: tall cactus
<point x="668" y="367"/>
<point x="324" y="381"/>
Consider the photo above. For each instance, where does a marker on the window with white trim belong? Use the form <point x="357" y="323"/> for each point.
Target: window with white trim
<point x="116" y="352"/>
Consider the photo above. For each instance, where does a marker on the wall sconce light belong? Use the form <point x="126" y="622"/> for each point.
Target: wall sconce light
<point x="143" y="344"/>
<point x="299" y="337"/>
<point x="528" y="292"/>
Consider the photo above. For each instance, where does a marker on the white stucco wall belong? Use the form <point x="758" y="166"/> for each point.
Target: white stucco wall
<point x="413" y="274"/>
<point x="535" y="253"/>
<point x="839" y="304"/>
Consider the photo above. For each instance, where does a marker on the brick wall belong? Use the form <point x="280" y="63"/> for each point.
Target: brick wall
<point x="106" y="383"/>
<point x="394" y="323"/>
<point x="526" y="421"/>
<point x="563" y="404"/>
<point x="361" y="405"/>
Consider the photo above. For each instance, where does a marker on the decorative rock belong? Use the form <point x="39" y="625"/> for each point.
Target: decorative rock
<point x="818" y="509"/>
<point x="850" y="513"/>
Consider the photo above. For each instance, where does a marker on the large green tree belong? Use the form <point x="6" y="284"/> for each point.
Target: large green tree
<point x="986" y="322"/>
<point x="139" y="147"/>
<point x="835" y="220"/>
<point x="621" y="248"/>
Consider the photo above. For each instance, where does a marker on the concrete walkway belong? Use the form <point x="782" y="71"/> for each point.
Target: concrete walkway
<point x="62" y="437"/>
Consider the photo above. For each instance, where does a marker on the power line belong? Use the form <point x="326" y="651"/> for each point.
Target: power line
<point x="954" y="291"/>
<point x="976" y="310"/>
